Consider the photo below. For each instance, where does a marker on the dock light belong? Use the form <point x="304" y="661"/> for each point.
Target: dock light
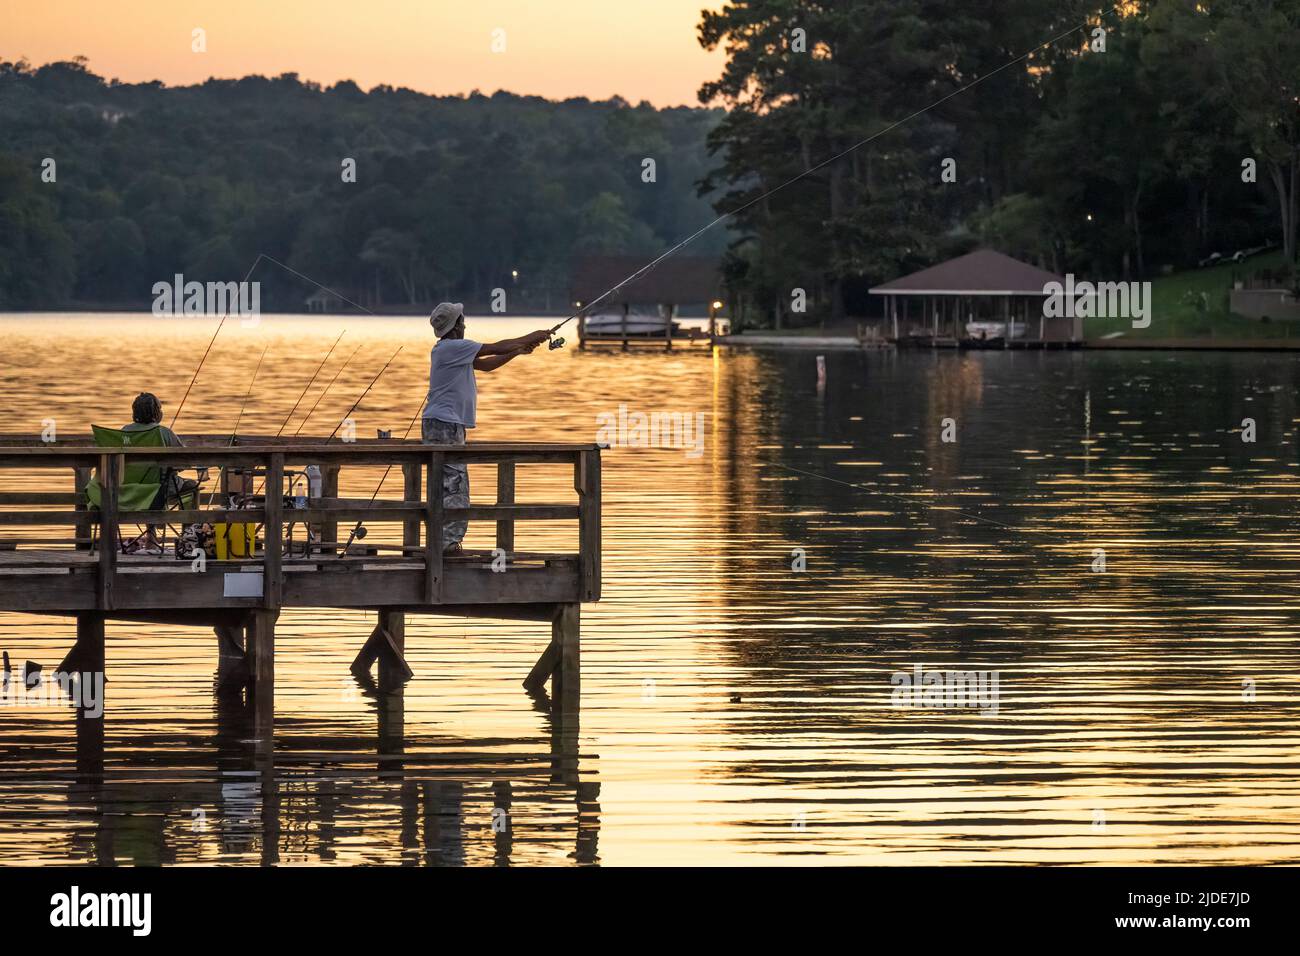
<point x="717" y="305"/>
<point x="1090" y="217"/>
<point x="577" y="305"/>
<point x="514" y="273"/>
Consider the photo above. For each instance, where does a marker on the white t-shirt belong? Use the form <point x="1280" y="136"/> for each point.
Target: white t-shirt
<point x="453" y="393"/>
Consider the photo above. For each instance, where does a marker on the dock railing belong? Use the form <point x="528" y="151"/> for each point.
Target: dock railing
<point x="93" y="541"/>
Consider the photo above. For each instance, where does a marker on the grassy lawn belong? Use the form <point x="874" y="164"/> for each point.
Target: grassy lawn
<point x="1175" y="316"/>
<point x="1175" y="310"/>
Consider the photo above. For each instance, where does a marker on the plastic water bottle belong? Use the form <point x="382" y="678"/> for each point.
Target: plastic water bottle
<point x="313" y="480"/>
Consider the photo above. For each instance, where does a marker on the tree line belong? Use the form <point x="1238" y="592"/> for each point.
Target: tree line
<point x="390" y="196"/>
<point x="1114" y="142"/>
<point x="1147" y="136"/>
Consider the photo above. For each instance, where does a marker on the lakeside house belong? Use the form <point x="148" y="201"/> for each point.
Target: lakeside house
<point x="984" y="289"/>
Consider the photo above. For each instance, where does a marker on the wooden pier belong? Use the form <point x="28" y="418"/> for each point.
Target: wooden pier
<point x="67" y="563"/>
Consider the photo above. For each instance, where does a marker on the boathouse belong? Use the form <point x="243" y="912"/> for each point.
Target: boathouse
<point x="994" y="294"/>
<point x="647" y="308"/>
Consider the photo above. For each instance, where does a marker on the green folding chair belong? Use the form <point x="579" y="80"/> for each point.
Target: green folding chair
<point x="142" y="482"/>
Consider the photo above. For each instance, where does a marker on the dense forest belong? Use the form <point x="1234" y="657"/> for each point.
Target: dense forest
<point x="1116" y="148"/>
<point x="452" y="195"/>
<point x="1114" y="142"/>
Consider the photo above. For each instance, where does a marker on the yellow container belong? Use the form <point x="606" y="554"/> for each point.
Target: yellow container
<point x="235" y="540"/>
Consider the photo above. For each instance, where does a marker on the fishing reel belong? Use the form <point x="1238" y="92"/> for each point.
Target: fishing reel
<point x="556" y="342"/>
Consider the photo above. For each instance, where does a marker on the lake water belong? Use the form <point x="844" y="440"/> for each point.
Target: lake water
<point x="735" y="709"/>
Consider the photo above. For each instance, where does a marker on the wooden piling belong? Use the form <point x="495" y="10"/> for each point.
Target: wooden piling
<point x="87" y="652"/>
<point x="565" y="635"/>
<point x="273" y="532"/>
<point x="393" y="669"/>
<point x="232" y="661"/>
<point x="259" y="642"/>
<point x="586" y="480"/>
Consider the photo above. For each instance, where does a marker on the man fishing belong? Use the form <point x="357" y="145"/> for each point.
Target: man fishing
<point x="453" y="398"/>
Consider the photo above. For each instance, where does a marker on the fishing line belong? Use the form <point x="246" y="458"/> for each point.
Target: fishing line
<point x="359" y="530"/>
<point x="262" y="255"/>
<point x="289" y="417"/>
<point x="326" y="391"/>
<point x="323" y="393"/>
<point x="826" y="162"/>
<point x="363" y="394"/>
<point x="660" y="258"/>
<point x="310" y="381"/>
<point x="195" y="376"/>
<point x="244" y="404"/>
<point x="354" y="408"/>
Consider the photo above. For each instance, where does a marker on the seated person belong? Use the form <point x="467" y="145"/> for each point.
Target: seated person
<point x="146" y="412"/>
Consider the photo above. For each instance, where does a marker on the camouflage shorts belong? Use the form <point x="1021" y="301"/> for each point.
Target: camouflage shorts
<point x="455" y="478"/>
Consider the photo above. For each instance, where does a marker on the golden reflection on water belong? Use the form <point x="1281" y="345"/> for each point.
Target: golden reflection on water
<point x="734" y="710"/>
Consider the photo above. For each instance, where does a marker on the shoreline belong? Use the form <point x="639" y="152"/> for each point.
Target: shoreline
<point x="851" y="344"/>
<point x="783" y="339"/>
<point x="146" y="308"/>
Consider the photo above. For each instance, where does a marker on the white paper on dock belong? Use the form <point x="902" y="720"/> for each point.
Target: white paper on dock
<point x="243" y="584"/>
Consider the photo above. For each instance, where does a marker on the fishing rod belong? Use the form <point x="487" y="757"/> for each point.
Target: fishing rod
<point x="310" y="381"/>
<point x="244" y="404"/>
<point x="199" y="367"/>
<point x="363" y="395"/>
<point x="360" y="530"/>
<point x="326" y="391"/>
<point x="323" y="393"/>
<point x="235" y="431"/>
<point x="359" y="398"/>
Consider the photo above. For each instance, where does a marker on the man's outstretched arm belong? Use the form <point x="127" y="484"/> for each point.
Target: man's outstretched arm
<point x="490" y="363"/>
<point x="510" y="345"/>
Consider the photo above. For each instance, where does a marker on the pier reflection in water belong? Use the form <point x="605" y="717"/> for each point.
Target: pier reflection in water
<point x="734" y="710"/>
<point x="224" y="795"/>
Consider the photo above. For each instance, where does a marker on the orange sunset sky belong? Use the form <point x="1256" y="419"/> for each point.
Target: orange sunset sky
<point x="638" y="49"/>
